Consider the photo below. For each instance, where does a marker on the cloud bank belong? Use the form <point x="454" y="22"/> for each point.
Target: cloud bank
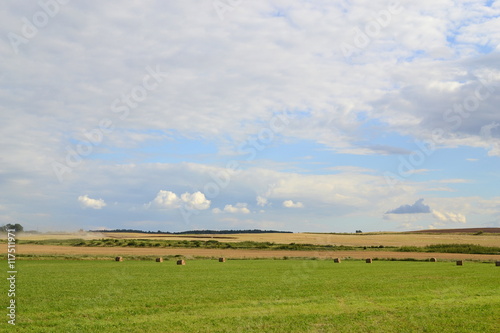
<point x="154" y="101"/>
<point x="239" y="208"/>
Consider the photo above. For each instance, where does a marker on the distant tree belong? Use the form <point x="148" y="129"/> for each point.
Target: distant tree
<point x="17" y="227"/>
<point x="359" y="231"/>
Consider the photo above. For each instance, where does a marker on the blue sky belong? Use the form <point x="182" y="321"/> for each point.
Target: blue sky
<point x="290" y="115"/>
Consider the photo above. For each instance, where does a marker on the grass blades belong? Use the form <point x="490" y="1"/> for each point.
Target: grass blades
<point x="257" y="296"/>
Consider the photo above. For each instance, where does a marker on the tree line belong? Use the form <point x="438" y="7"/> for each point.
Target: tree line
<point x="196" y="232"/>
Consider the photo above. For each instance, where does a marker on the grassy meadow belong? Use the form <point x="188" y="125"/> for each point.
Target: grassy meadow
<point x="256" y="296"/>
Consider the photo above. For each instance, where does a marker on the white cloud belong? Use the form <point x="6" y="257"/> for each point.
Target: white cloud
<point x="291" y="204"/>
<point x="419" y="171"/>
<point x="170" y="200"/>
<point x="448" y="217"/>
<point x="261" y="201"/>
<point x="87" y="202"/>
<point x="196" y="201"/>
<point x="455" y="181"/>
<point x="239" y="208"/>
<point x="166" y="200"/>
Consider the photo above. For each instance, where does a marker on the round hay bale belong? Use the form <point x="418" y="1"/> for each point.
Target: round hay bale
<point x="159" y="259"/>
<point x="369" y="260"/>
<point x="181" y="262"/>
<point x="222" y="259"/>
<point x="433" y="260"/>
<point x="497" y="263"/>
<point x="119" y="259"/>
<point x="460" y="262"/>
<point x="336" y="260"/>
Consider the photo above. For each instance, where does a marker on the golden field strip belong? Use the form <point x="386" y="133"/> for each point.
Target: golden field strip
<point x="368" y="239"/>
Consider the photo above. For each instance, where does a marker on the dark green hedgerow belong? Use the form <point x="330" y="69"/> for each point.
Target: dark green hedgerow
<point x="453" y="248"/>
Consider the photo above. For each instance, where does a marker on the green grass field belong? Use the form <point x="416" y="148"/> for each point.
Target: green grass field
<point x="255" y="296"/>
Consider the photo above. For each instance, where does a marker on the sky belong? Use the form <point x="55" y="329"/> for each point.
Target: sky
<point x="318" y="116"/>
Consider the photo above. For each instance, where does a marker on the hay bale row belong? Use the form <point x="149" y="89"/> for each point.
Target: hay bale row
<point x="179" y="262"/>
<point x="335" y="260"/>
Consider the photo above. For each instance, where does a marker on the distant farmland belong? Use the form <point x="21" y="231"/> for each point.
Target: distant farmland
<point x="263" y="245"/>
<point x="367" y="239"/>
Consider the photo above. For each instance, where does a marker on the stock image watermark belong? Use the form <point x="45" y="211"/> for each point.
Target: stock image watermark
<point x="363" y="36"/>
<point x="39" y="20"/>
<point x="454" y="116"/>
<point x="487" y="133"/>
<point x="121" y="107"/>
<point x="12" y="272"/>
<point x="224" y="6"/>
<point x="299" y="274"/>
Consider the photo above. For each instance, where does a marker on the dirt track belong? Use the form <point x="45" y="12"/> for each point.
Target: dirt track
<point x="232" y="253"/>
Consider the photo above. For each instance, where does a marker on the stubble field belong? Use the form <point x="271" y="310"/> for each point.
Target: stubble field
<point x="368" y="239"/>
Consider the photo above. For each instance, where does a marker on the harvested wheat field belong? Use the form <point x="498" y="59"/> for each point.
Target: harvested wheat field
<point x="25" y="249"/>
<point x="490" y="237"/>
<point x="368" y="239"/>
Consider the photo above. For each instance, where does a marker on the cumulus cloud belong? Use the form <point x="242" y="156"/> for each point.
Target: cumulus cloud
<point x="261" y="201"/>
<point x="166" y="200"/>
<point x="417" y="208"/>
<point x="447" y="217"/>
<point x="87" y="202"/>
<point x="196" y="201"/>
<point x="291" y="204"/>
<point x="170" y="200"/>
<point x="239" y="208"/>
